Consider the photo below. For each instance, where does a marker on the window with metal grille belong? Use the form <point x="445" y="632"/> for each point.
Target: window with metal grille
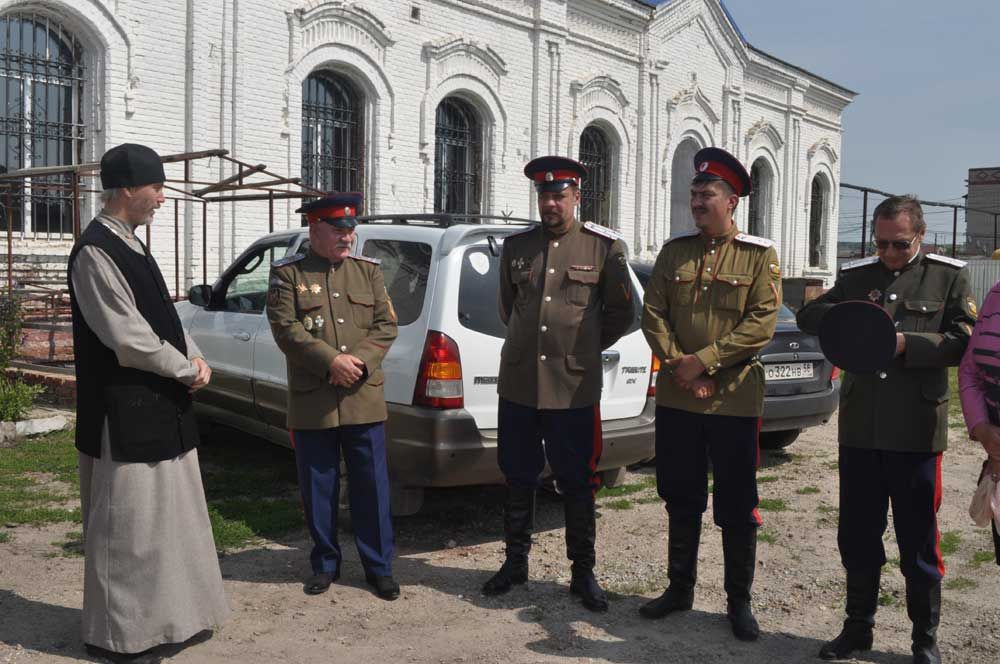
<point x="759" y="205"/>
<point x="332" y="133"/>
<point x="817" y="212"/>
<point x="41" y="119"/>
<point x="595" y="190"/>
<point x="458" y="166"/>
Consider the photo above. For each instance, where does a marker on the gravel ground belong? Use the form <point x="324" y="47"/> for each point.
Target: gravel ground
<point x="447" y="552"/>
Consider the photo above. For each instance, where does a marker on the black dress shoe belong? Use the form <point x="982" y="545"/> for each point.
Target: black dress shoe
<point x="320" y="582"/>
<point x="671" y="600"/>
<point x="144" y="657"/>
<point x="385" y="586"/>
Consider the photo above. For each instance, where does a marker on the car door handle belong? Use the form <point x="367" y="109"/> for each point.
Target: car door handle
<point x="610" y="356"/>
<point x="242" y="336"/>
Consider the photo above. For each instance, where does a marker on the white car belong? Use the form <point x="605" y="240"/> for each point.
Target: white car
<point x="442" y="275"/>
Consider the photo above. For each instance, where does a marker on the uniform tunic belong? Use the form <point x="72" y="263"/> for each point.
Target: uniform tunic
<point x="151" y="573"/>
<point x="716" y="298"/>
<point x="564" y="300"/>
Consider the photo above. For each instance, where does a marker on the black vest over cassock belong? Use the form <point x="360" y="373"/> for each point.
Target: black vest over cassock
<point x="150" y="418"/>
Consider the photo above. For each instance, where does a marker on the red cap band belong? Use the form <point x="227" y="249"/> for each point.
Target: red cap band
<point x="552" y="176"/>
<point x="330" y="213"/>
<point x="720" y="169"/>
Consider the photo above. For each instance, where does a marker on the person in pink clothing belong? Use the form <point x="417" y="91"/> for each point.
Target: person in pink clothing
<point x="979" y="387"/>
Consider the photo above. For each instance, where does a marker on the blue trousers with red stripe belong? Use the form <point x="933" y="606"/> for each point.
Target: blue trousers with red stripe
<point x="685" y="442"/>
<point x="317" y="454"/>
<point x="572" y="445"/>
<point x="911" y="481"/>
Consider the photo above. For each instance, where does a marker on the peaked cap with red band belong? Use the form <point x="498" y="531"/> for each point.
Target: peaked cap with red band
<point x="711" y="164"/>
<point x="338" y="210"/>
<point x="554" y="173"/>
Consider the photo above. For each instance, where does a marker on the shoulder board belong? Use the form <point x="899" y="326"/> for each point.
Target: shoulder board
<point x="753" y="239"/>
<point x="947" y="260"/>
<point x="287" y="260"/>
<point x="681" y="235"/>
<point x="367" y="259"/>
<point x="603" y="231"/>
<point x="850" y="265"/>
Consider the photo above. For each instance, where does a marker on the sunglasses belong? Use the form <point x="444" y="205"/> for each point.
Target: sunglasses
<point x="898" y="245"/>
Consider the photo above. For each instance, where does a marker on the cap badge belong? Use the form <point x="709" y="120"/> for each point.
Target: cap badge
<point x="703" y="167"/>
<point x="549" y="177"/>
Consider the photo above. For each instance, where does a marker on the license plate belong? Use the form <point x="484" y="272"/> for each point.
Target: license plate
<point x="788" y="371"/>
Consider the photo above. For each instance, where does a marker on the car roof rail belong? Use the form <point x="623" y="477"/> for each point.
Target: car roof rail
<point x="443" y="219"/>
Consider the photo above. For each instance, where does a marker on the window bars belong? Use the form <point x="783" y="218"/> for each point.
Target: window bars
<point x="41" y="121"/>
<point x="332" y="134"/>
<point x="458" y="166"/>
<point x="595" y="190"/>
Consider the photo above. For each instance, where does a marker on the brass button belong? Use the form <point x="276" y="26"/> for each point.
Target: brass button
<point x="555" y="244"/>
<point x="544" y="328"/>
<point x="343" y="349"/>
<point x="336" y="294"/>
<point x="712" y="251"/>
<point x="552" y="270"/>
<point x="704" y="287"/>
<point x="542" y="358"/>
<point x="892" y="297"/>
<point x="882" y="375"/>
<point x="708" y="269"/>
<point x="340" y="320"/>
<point x="923" y="308"/>
<point x="548" y="298"/>
<point x="896" y="273"/>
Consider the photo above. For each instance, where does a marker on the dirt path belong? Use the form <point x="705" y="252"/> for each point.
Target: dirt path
<point x="449" y="550"/>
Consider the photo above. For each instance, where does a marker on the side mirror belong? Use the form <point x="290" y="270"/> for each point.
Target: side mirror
<point x="200" y="295"/>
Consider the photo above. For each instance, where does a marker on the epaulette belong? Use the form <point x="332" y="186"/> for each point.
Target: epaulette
<point x="681" y="235"/>
<point x="287" y="260"/>
<point x="603" y="231"/>
<point x="367" y="259"/>
<point x="753" y="239"/>
<point x="850" y="265"/>
<point x="947" y="260"/>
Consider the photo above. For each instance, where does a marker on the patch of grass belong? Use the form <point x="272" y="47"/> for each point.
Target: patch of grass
<point x="27" y="474"/>
<point x="950" y="541"/>
<point x="766" y="536"/>
<point x="72" y="546"/>
<point x="831" y="465"/>
<point x="626" y="589"/>
<point x="620" y="504"/>
<point x="645" y="500"/>
<point x="828" y="509"/>
<point x="807" y="490"/>
<point x="978" y="558"/>
<point x="772" y="505"/>
<point x="238" y="521"/>
<point x="887" y="599"/>
<point x="955" y="418"/>
<point x="623" y="490"/>
<point x="767" y="479"/>
<point x="960" y="583"/>
<point x="4" y="537"/>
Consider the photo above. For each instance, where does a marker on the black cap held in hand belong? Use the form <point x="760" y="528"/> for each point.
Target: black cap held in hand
<point x="131" y="165"/>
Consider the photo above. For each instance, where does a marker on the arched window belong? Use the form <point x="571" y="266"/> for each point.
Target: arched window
<point x="817" y="222"/>
<point x="682" y="172"/>
<point x="759" y="205"/>
<point x="595" y="190"/>
<point x="41" y="118"/>
<point x="332" y="133"/>
<point x="458" y="165"/>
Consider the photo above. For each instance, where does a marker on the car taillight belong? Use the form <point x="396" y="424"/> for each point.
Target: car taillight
<point x="439" y="382"/>
<point x="654" y="369"/>
<point x="835" y="374"/>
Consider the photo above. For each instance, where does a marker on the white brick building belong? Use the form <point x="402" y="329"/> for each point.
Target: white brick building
<point x="424" y="104"/>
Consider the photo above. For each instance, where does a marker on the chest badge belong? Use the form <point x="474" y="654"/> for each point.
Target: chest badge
<point x="315" y="289"/>
<point x="519" y="264"/>
<point x="875" y="295"/>
<point x="307" y="323"/>
<point x="301" y="288"/>
<point x="583" y="268"/>
<point x="320" y="322"/>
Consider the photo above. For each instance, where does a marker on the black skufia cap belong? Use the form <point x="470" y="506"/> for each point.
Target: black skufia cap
<point x="131" y="165"/>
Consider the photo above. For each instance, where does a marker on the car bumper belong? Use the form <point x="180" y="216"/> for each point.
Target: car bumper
<point x="801" y="410"/>
<point x="439" y="448"/>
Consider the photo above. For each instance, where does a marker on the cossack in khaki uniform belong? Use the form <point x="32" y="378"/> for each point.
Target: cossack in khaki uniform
<point x="317" y="311"/>
<point x="717" y="298"/>
<point x="564" y="300"/>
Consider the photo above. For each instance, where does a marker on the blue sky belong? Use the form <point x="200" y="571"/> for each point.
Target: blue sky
<point x="928" y="81"/>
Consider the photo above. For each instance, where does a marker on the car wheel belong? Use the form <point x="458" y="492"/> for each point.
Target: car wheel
<point x="612" y="477"/>
<point x="775" y="440"/>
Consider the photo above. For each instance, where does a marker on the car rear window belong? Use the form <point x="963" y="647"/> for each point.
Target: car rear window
<point x="405" y="266"/>
<point x="478" y="294"/>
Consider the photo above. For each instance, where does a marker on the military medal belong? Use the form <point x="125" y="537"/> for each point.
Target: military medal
<point x="971" y="304"/>
<point x="875" y="295"/>
<point x="315" y="288"/>
<point x="307" y="323"/>
<point x="319" y="322"/>
<point x="301" y="288"/>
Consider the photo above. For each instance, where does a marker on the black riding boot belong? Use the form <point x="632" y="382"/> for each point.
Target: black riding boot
<point x="682" y="569"/>
<point x="739" y="551"/>
<point x="923" y="606"/>
<point x="862" y="601"/>
<point x="518" y="523"/>
<point x="581" y="535"/>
